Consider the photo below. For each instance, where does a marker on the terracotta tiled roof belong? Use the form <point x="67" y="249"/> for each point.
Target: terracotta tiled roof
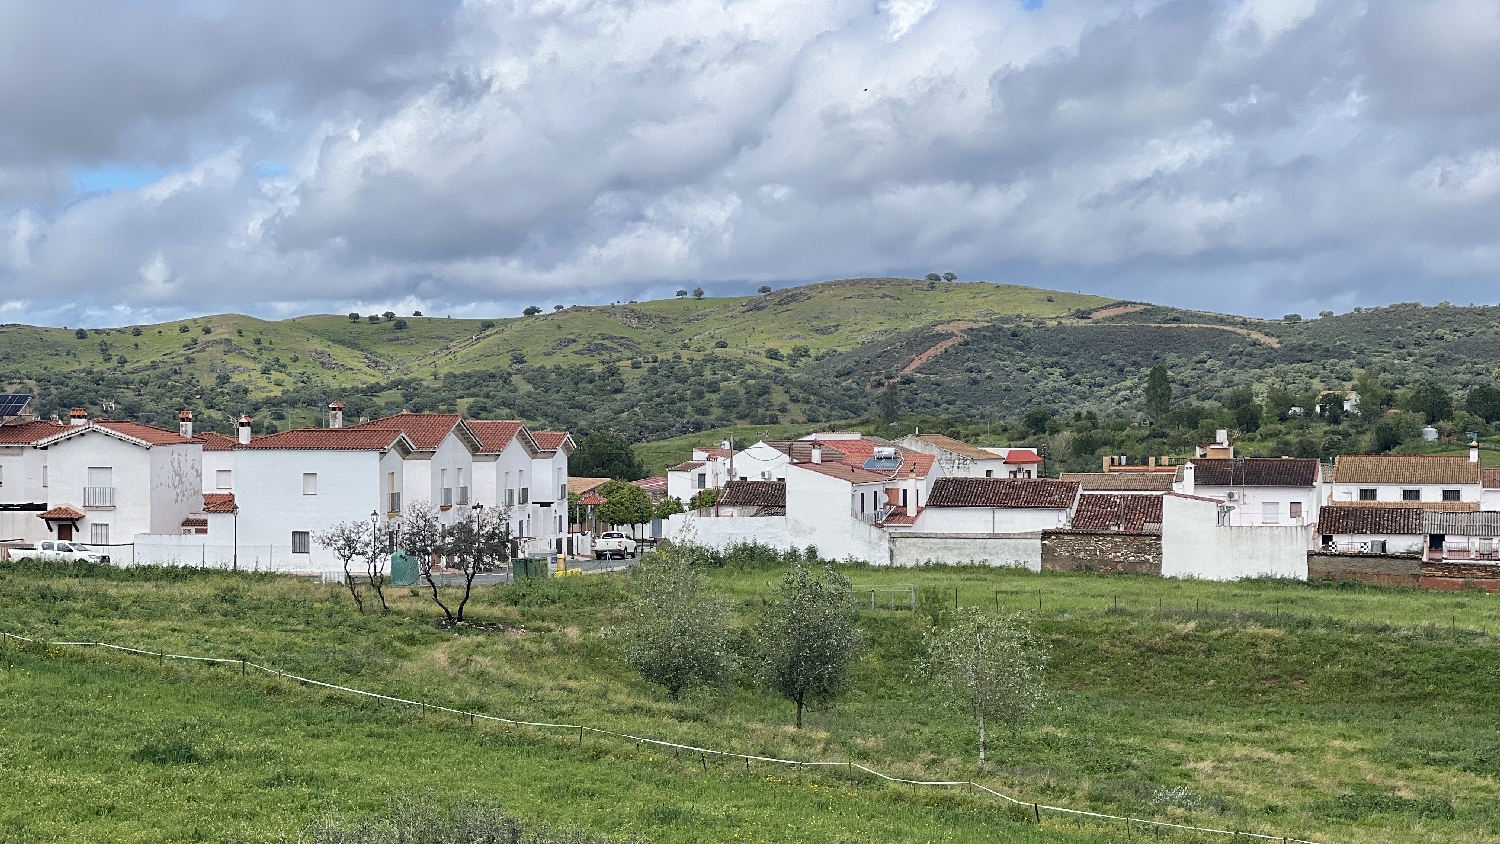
<point x="1433" y="506"/>
<point x="800" y="451"/>
<point x="579" y="486"/>
<point x="1361" y="521"/>
<point x="550" y="440"/>
<point x="195" y="522"/>
<point x="425" y="430"/>
<point x="845" y="472"/>
<point x="1002" y="492"/>
<point x="1253" y="471"/>
<point x="591" y="499"/>
<point x="713" y="451"/>
<point x="899" y="517"/>
<point x="218" y="502"/>
<point x="655" y="486"/>
<point x="215" y="441"/>
<point x="1490" y="478"/>
<point x="1120" y="481"/>
<point x="62" y="512"/>
<point x="753" y="494"/>
<point x="29" y="432"/>
<point x="330" y="439"/>
<point x="1118" y="513"/>
<point x="687" y="466"/>
<point x="918" y="464"/>
<point x="956" y="446"/>
<point x="1022" y="456"/>
<point x="1404" y="469"/>
<point x="495" y="434"/>
<point x="136" y="431"/>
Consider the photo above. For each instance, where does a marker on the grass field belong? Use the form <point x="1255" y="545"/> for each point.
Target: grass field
<point x="1335" y="714"/>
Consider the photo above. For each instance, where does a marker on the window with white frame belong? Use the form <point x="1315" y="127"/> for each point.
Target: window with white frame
<point x="309" y="483"/>
<point x="447" y="491"/>
<point x="223" y="479"/>
<point x="463" y="490"/>
<point x="1270" y="512"/>
<point x="1294" y="510"/>
<point x="44" y="477"/>
<point x="301" y="542"/>
<point x="98" y="534"/>
<point x="702" y="480"/>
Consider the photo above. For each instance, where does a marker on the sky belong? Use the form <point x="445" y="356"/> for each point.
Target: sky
<point x="164" y="158"/>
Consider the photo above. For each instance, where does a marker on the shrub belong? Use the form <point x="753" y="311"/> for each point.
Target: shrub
<point x="409" y="819"/>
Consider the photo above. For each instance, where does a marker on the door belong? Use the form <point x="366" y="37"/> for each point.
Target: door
<point x="64" y="530"/>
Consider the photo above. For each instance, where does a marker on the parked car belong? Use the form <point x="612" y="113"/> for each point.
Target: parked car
<point x="614" y="545"/>
<point x="58" y="549"/>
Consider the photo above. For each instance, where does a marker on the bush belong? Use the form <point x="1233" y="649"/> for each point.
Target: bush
<point x="721" y="344"/>
<point x="409" y="819"/>
<point x="399" y="325"/>
<point x="81" y="334"/>
<point x="486" y="325"/>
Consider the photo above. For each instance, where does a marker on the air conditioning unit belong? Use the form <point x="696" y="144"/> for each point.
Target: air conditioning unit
<point x="1231" y="495"/>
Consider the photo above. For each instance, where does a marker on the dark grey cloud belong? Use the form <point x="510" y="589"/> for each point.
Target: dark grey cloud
<point x="1258" y="156"/>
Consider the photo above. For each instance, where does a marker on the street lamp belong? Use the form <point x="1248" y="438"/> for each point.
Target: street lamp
<point x="375" y="540"/>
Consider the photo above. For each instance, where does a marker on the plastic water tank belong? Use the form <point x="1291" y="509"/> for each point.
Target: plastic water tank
<point x="1429" y="434"/>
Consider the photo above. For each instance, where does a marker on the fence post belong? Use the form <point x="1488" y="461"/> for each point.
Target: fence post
<point x="1037" y="809"/>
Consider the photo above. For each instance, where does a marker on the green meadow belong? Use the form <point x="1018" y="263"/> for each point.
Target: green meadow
<point x="1319" y="711"/>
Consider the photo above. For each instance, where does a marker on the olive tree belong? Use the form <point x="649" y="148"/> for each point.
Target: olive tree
<point x="422" y="536"/>
<point x="807" y="638"/>
<point x="990" y="666"/>
<point x="677" y="634"/>
<point x="348" y="541"/>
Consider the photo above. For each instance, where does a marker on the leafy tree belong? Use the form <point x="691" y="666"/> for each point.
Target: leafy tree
<point x="990" y="666"/>
<point x="486" y="325"/>
<point x="475" y="545"/>
<point x="625" y="504"/>
<point x="399" y="325"/>
<point x="1324" y="314"/>
<point x="1158" y="393"/>
<point x="697" y="293"/>
<point x="763" y="289"/>
<point x="1332" y="407"/>
<point x="721" y="344"/>
<point x="388" y="316"/>
<point x="347" y="541"/>
<point x="1432" y="401"/>
<point x="416" y="313"/>
<point x="531" y="310"/>
<point x="557" y="307"/>
<point x="807" y="638"/>
<point x="667" y="508"/>
<point x="774" y="353"/>
<point x="374" y="318"/>
<point x="950" y="277"/>
<point x="422" y="536"/>
<point x="890" y="404"/>
<point x="353" y="316"/>
<point x="1292" y="318"/>
<point x="681" y="294"/>
<point x="1247" y="418"/>
<point x="1278" y="404"/>
<point x="1392" y="431"/>
<point x="605" y="455"/>
<point x="934" y="277"/>
<point x="677" y="633"/>
<point x="704" y="499"/>
<point x="1373" y="396"/>
<point x="1035" y="421"/>
<point x="1484" y="402"/>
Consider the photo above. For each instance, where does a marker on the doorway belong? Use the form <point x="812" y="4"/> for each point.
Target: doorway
<point x="65" y="530"/>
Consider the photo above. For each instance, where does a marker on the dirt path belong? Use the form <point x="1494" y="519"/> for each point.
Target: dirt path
<point x="1253" y="335"/>
<point x="958" y="337"/>
<point x="1116" y="310"/>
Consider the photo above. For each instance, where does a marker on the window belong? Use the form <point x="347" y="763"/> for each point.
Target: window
<point x="861" y="502"/>
<point x="309" y="484"/>
<point x="101" y="487"/>
<point x="223" y="479"/>
<point x="510" y="497"/>
<point x="463" y="491"/>
<point x="1296" y="510"/>
<point x="1367" y="495"/>
<point x="99" y="534"/>
<point x="525" y="494"/>
<point x="1450" y="495"/>
<point x="44" y="477"/>
<point x="903" y="498"/>
<point x="702" y="480"/>
<point x="989" y="473"/>
<point x="301" y="542"/>
<point x="1270" y="512"/>
<point x="1377" y="546"/>
<point x="2" y="476"/>
<point x="447" y="491"/>
<point x="1411" y="495"/>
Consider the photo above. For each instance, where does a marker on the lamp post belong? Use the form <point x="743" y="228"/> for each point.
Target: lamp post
<point x="374" y="538"/>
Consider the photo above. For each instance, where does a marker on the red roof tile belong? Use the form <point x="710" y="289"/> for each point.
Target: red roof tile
<point x="550" y="440"/>
<point x="687" y="466"/>
<point x="425" y="430"/>
<point x="918" y="464"/>
<point x="29" y="432"/>
<point x="219" y="502"/>
<point x="331" y="439"/>
<point x="62" y="512"/>
<point x="1118" y="513"/>
<point x="845" y="472"/>
<point x="753" y="494"/>
<point x="651" y="484"/>
<point x="1002" y="492"/>
<point x="1404" y="469"/>
<point x="215" y="441"/>
<point x="1022" y="456"/>
<point x="899" y="517"/>
<point x="591" y="499"/>
<point x="1356" y="521"/>
<point x="195" y="521"/>
<point x="1490" y="478"/>
<point x="495" y="434"/>
<point x="1253" y="471"/>
<point x="144" y="433"/>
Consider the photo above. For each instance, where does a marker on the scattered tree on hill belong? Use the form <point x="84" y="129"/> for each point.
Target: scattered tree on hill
<point x="557" y="307"/>
<point x="1484" y="402"/>
<point x="807" y="638"/>
<point x="934" y="277"/>
<point x="353" y="316"/>
<point x="681" y="293"/>
<point x="605" y="455"/>
<point x="399" y="325"/>
<point x="625" y="504"/>
<point x="347" y="541"/>
<point x="1158" y="392"/>
<point x="1432" y="402"/>
<point x="1324" y="314"/>
<point x="950" y="277"/>
<point x="1331" y="407"/>
<point x="989" y="666"/>
<point x="531" y="310"/>
<point x="1373" y="396"/>
<point x="388" y="315"/>
<point x="1292" y="318"/>
<point x="697" y="293"/>
<point x="416" y="313"/>
<point x="677" y="634"/>
<point x="1035" y="421"/>
<point x="763" y="289"/>
<point x="486" y="325"/>
<point x="374" y="318"/>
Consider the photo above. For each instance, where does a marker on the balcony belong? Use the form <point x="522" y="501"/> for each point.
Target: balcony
<point x="393" y="505"/>
<point x="99" y="497"/>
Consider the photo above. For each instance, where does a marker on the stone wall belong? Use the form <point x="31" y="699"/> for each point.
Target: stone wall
<point x="919" y="549"/>
<point x="1101" y="552"/>
<point x="1381" y="569"/>
<point x="1455" y="575"/>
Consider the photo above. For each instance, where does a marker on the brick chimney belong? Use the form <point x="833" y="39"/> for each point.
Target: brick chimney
<point x="336" y="415"/>
<point x="78" y="416"/>
<point x="185" y="424"/>
<point x="244" y="429"/>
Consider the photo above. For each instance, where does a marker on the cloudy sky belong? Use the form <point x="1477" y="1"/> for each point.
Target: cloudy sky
<point x="167" y="157"/>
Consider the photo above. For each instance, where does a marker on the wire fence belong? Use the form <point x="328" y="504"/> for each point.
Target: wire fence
<point x="1035" y="809"/>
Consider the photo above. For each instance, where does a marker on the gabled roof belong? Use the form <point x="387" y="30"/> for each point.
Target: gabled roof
<point x="1002" y="492"/>
<point x="655" y="486"/>
<point x="844" y="472"/>
<point x="333" y="439"/>
<point x="495" y="434"/>
<point x="1022" y="456"/>
<point x="1118" y="514"/>
<point x="914" y="464"/>
<point x="579" y="486"/>
<point x="1404" y="469"/>
<point x="958" y="447"/>
<point x="1120" y="481"/>
<point x="29" y="432"/>
<point x="1253" y="471"/>
<point x="1461" y="524"/>
<point x="591" y="499"/>
<point x="215" y="441"/>
<point x="62" y="513"/>
<point x="426" y="431"/>
<point x="554" y="440"/>
<point x="132" y="432"/>
<point x="1364" y="521"/>
<point x="687" y="466"/>
<point x="753" y="494"/>
<point x="219" y="502"/>
<point x="898" y="516"/>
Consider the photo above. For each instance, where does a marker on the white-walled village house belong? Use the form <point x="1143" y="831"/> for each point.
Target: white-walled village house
<point x="1406" y="480"/>
<point x="1256" y="490"/>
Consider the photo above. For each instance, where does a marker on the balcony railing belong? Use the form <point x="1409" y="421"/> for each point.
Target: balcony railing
<point x="394" y="504"/>
<point x="873" y="517"/>
<point x="98" y="496"/>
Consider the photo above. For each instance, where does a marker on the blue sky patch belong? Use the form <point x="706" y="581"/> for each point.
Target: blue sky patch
<point x="113" y="177"/>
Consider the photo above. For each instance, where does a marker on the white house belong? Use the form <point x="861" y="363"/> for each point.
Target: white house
<point x="547" y="516"/>
<point x="1489" y="489"/>
<point x="1413" y="479"/>
<point x="1198" y="542"/>
<point x="1350" y="528"/>
<point x="440" y="465"/>
<point x="961" y="460"/>
<point x="218" y="462"/>
<point x="998" y="505"/>
<point x="1018" y="462"/>
<point x="1257" y="490"/>
<point x="23" y="480"/>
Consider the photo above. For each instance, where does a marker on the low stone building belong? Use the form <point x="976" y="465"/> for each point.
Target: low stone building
<point x="1109" y="533"/>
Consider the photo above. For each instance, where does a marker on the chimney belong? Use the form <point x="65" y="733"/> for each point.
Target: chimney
<point x="911" y="498"/>
<point x="336" y="415"/>
<point x="244" y="429"/>
<point x="185" y="424"/>
<point x="1187" y="478"/>
<point x="1221" y="436"/>
<point x="78" y="416"/>
<point x="817" y="454"/>
<point x="1473" y="452"/>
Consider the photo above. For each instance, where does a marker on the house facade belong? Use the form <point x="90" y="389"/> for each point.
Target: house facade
<point x="1256" y="491"/>
<point x="1408" y="479"/>
<point x="998" y="505"/>
<point x="958" y="458"/>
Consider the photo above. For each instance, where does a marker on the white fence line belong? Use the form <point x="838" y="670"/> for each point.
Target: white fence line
<point x="850" y="765"/>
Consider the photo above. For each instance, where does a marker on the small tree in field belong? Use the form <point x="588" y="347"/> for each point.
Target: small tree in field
<point x="807" y="638"/>
<point x="678" y="634"/>
<point x="382" y="543"/>
<point x="422" y="536"/>
<point x="477" y="544"/>
<point x="989" y="666"/>
<point x="348" y="541"/>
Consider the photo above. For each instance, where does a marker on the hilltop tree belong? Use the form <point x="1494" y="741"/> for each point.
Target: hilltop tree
<point x="950" y="277"/>
<point x="1484" y="402"/>
<point x="353" y="316"/>
<point x="1158" y="393"/>
<point x="531" y="310"/>
<point x="677" y="634"/>
<point x="988" y="666"/>
<point x="697" y="293"/>
<point x="934" y="277"/>
<point x="388" y="315"/>
<point x="807" y="638"/>
<point x="763" y="289"/>
<point x="605" y="455"/>
<point x="557" y="307"/>
<point x="681" y="294"/>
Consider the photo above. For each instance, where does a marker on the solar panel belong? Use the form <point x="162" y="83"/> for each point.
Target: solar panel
<point x="11" y="404"/>
<point x="883" y="464"/>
